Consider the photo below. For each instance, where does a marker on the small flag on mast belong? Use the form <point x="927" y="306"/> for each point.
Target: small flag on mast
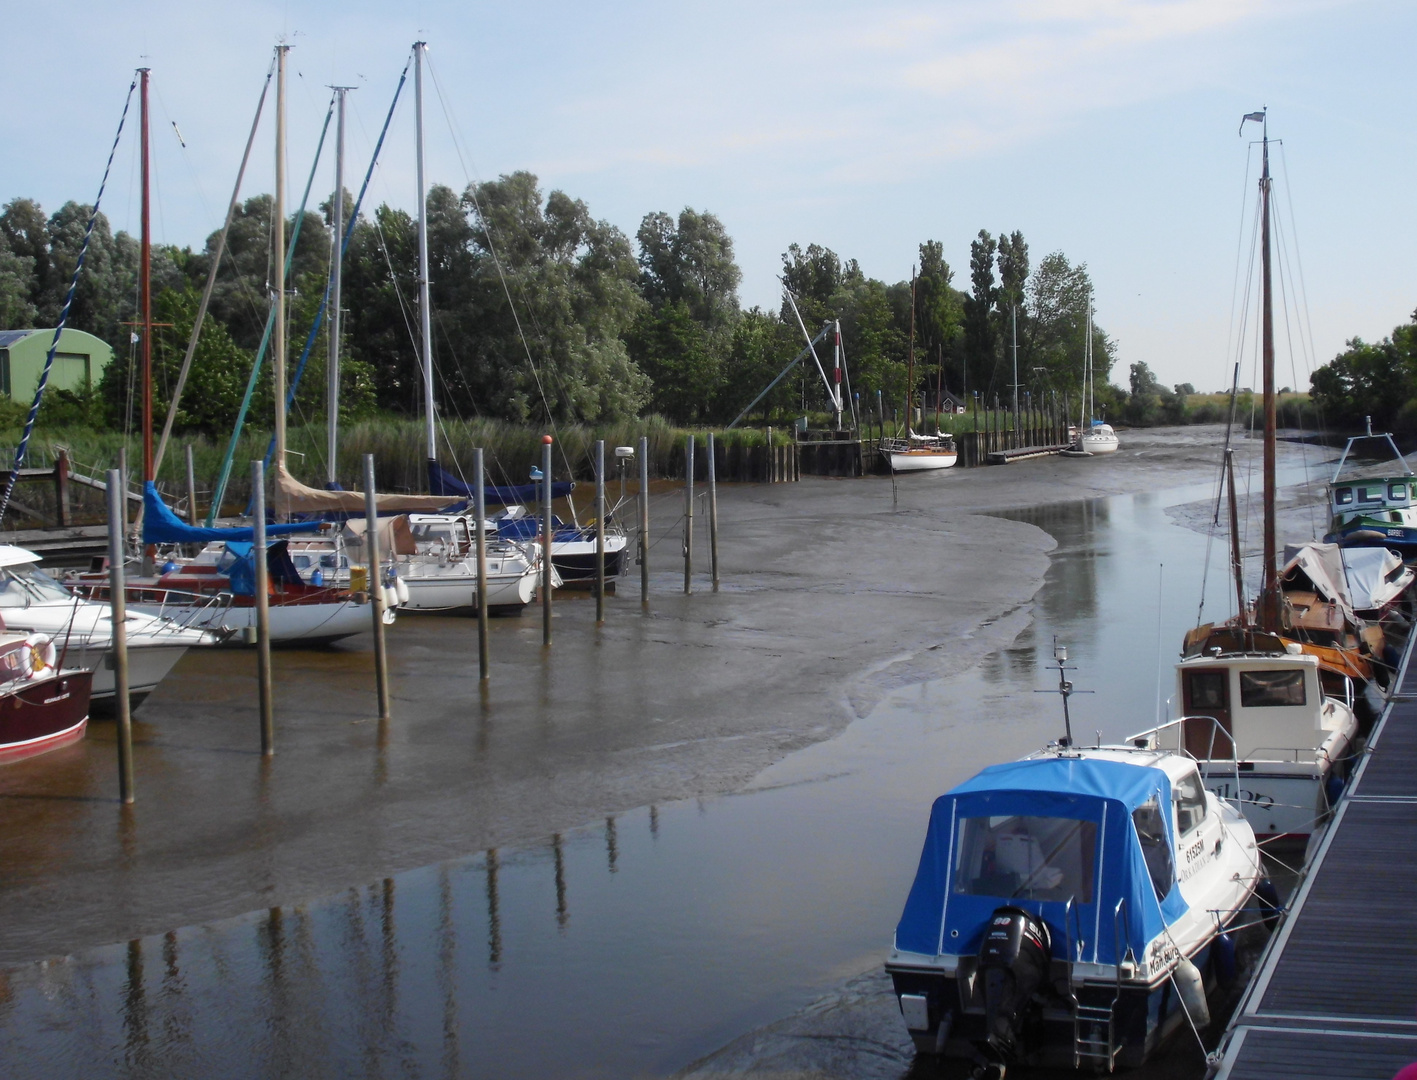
<point x="1257" y="117"/>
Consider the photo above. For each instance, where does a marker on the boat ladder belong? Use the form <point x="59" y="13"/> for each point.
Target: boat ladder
<point x="1094" y="1024"/>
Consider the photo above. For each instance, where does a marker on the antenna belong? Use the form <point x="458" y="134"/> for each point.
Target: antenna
<point x="1065" y="690"/>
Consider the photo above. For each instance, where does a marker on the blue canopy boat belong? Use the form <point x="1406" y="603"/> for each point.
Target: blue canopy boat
<point x="1071" y="909"/>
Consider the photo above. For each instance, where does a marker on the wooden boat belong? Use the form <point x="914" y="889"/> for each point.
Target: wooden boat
<point x="43" y="707"/>
<point x="916" y="453"/>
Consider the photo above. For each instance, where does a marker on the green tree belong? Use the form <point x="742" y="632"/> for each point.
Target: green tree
<point x="979" y="331"/>
<point x="691" y="262"/>
<point x="1375" y="380"/>
<point x="17" y="312"/>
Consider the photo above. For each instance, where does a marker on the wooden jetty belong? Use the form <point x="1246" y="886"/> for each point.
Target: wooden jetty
<point x="1003" y="457"/>
<point x="1336" y="990"/>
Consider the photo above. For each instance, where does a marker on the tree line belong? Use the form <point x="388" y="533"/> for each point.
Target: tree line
<point x="541" y="311"/>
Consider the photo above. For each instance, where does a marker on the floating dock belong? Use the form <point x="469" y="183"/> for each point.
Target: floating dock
<point x="1336" y="991"/>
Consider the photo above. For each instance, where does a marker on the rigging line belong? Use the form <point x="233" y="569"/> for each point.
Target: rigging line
<point x="1285" y="285"/>
<point x="200" y="317"/>
<point x="1230" y="334"/>
<point x="1298" y="256"/>
<point x="496" y="259"/>
<point x="225" y="475"/>
<point x="343" y="243"/>
<point x="22" y="449"/>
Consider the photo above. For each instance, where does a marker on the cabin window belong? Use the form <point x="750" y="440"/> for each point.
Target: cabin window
<point x="1155" y="848"/>
<point x="1205" y="690"/>
<point x="1397" y="492"/>
<point x="1188" y="796"/>
<point x="1265" y="689"/>
<point x="1027" y="858"/>
<point x="1343" y="496"/>
<point x="1370" y="494"/>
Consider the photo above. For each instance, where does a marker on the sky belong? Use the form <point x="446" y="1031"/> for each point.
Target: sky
<point x="1105" y="129"/>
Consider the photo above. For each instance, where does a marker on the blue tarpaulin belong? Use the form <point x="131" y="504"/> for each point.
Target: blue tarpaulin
<point x="442" y="482"/>
<point x="162" y="526"/>
<point x="943" y="918"/>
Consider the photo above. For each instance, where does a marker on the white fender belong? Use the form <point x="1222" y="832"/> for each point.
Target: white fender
<point x="1191" y="989"/>
<point x="391" y="598"/>
<point x="402" y="587"/>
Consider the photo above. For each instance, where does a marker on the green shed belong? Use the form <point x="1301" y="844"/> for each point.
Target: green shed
<point x="78" y="362"/>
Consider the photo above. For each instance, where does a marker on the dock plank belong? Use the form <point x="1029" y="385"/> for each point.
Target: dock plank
<point x="1270" y="1054"/>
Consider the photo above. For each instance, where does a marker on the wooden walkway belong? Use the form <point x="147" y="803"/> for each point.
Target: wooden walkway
<point x="1003" y="457"/>
<point x="1336" y="992"/>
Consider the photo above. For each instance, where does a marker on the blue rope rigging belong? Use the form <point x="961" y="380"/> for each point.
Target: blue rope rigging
<point x="23" y="448"/>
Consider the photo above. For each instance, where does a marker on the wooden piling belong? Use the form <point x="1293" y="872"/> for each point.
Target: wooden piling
<point x="376" y="587"/>
<point x="546" y="531"/>
<point x="191" y="488"/>
<point x="61" y="488"/>
<point x="599" y="530"/>
<point x="713" y="511"/>
<point x="119" y="608"/>
<point x="263" y="611"/>
<point x="644" y="519"/>
<point x="688" y="515"/>
<point x="479" y="511"/>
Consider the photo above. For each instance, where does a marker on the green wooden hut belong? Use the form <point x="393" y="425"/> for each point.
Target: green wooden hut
<point x="78" y="362"/>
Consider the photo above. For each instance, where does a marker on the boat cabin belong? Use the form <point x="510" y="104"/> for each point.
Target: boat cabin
<point x="1251" y="706"/>
<point x="1377" y="499"/>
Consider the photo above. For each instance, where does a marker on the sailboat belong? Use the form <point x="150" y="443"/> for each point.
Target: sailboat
<point x="1266" y="709"/>
<point x="1094" y="436"/>
<point x="429" y="554"/>
<point x="916" y="453"/>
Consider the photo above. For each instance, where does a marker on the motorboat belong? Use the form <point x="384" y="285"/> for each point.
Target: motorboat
<point x="1072" y="909"/>
<point x="44" y="705"/>
<point x="1377" y="511"/>
<point x="32" y="602"/>
<point x="1264" y="733"/>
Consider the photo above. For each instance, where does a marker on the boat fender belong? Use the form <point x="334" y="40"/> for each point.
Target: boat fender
<point x="1222" y="951"/>
<point x="401" y="587"/>
<point x="39" y="655"/>
<point x="169" y="567"/>
<point x="317" y="577"/>
<point x="1268" y="896"/>
<point x="1190" y="988"/>
<point x="1333" y="789"/>
<point x="390" y="597"/>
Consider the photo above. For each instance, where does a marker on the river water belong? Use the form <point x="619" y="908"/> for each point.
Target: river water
<point x="638" y="943"/>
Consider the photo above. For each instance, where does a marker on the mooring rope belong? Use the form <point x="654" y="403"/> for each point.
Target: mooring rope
<point x="23" y="448"/>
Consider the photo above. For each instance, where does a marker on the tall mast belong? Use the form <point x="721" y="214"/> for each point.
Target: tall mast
<point x="910" y="362"/>
<point x="1269" y="597"/>
<point x="1013" y="316"/>
<point x="145" y="293"/>
<point x="424" y="319"/>
<point x="836" y="375"/>
<point x="278" y="231"/>
<point x="336" y="265"/>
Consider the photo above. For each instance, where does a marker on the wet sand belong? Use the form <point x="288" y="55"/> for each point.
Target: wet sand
<point x="835" y="592"/>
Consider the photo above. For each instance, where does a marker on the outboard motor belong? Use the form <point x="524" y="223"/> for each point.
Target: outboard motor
<point x="1013" y="963"/>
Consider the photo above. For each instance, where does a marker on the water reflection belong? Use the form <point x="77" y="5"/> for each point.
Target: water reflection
<point x="494" y="921"/>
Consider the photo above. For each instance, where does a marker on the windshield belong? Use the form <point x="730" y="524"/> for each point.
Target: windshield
<point x="20" y="585"/>
<point x="1022" y="857"/>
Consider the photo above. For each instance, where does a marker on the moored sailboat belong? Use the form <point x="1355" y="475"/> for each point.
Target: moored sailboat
<point x="916" y="453"/>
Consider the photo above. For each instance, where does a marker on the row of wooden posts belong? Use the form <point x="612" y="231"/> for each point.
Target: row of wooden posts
<point x="116" y="557"/>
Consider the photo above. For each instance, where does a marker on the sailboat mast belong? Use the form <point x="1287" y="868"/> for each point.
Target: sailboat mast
<point x="145" y="291"/>
<point x="1013" y="315"/>
<point x="836" y="375"/>
<point x="424" y="317"/>
<point x="1269" y="597"/>
<point x="278" y="231"/>
<point x="910" y="362"/>
<point x="336" y="266"/>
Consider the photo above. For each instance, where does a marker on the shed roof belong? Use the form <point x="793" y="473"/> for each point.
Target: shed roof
<point x="9" y="337"/>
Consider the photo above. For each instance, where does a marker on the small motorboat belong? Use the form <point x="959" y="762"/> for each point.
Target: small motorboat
<point x="43" y="706"/>
<point x="572" y="546"/>
<point x="1072" y="909"/>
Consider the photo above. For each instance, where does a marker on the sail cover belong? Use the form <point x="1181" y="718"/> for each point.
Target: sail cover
<point x="293" y="497"/>
<point x="162" y="526"/>
<point x="445" y="483"/>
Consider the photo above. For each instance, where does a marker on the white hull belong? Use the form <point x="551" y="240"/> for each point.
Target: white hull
<point x="290" y="623"/>
<point x="919" y="460"/>
<point x="1277" y="798"/>
<point x="434" y="588"/>
<point x="148" y="665"/>
<point x="1100" y="444"/>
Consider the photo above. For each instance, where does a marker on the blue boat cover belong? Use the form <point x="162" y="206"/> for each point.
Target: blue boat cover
<point x="939" y="919"/>
<point x="242" y="570"/>
<point x="162" y="526"/>
<point x="442" y="482"/>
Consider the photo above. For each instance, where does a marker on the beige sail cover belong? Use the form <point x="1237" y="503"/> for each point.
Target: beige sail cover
<point x="293" y="497"/>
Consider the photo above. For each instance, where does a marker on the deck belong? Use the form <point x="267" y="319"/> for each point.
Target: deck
<point x="1336" y="992"/>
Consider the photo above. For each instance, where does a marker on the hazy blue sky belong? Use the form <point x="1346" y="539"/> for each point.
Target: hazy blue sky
<point x="1102" y="128"/>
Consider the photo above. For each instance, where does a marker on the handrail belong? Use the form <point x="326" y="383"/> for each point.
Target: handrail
<point x="1146" y="739"/>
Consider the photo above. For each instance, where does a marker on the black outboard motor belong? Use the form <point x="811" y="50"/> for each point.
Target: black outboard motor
<point x="1013" y="963"/>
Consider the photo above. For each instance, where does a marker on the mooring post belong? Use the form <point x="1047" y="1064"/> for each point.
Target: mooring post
<point x="546" y="540"/>
<point x="644" y="519"/>
<point x="61" y="488"/>
<point x="688" y="515"/>
<point x="376" y="587"/>
<point x="123" y="487"/>
<point x="191" y="488"/>
<point x="263" y="610"/>
<point x="479" y="511"/>
<point x="600" y="530"/>
<point x="119" y="609"/>
<point x="713" y="512"/>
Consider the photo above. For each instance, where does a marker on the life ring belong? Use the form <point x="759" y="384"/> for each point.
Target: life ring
<point x="39" y="656"/>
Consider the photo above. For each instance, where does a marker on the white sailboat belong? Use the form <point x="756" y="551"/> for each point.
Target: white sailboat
<point x="916" y="453"/>
<point x="1094" y="436"/>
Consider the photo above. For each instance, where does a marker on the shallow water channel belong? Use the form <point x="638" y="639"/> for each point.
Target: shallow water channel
<point x="635" y="945"/>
